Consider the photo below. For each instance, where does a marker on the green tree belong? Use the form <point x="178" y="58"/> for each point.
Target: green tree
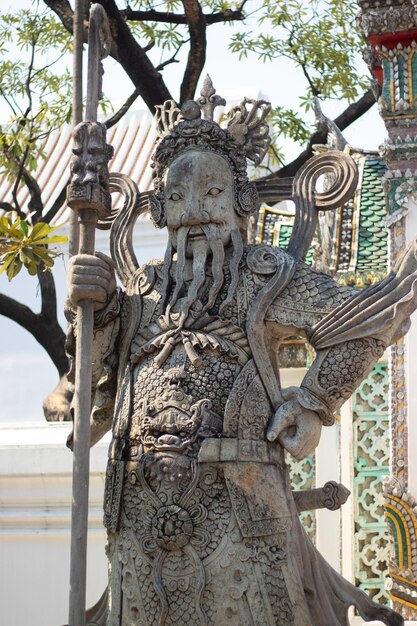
<point x="318" y="37"/>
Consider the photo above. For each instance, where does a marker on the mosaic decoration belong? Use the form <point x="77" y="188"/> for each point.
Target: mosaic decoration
<point x="360" y="244"/>
<point x="371" y="464"/>
<point x="360" y="280"/>
<point x="385" y="16"/>
<point x="399" y="64"/>
<point x="400" y="511"/>
<point x="389" y="29"/>
<point x="385" y="513"/>
<point x="302" y="476"/>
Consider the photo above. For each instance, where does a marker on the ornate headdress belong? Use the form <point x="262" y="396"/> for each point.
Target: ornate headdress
<point x="246" y="136"/>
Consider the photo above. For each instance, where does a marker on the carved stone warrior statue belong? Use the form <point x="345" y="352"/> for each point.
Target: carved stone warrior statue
<point x="202" y="524"/>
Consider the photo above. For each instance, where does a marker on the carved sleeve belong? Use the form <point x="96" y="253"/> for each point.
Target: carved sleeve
<point x="351" y="338"/>
<point x="104" y="363"/>
<point x="336" y="373"/>
<point x="348" y="330"/>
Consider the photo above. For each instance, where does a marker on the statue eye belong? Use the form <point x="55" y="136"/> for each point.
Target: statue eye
<point x="214" y="191"/>
<point x="175" y="196"/>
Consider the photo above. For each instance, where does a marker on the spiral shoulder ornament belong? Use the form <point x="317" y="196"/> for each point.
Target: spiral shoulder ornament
<point x="308" y="201"/>
<point x="121" y="222"/>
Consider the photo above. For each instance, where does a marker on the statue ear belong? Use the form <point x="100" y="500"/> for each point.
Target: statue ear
<point x="247" y="199"/>
<point x="157" y="211"/>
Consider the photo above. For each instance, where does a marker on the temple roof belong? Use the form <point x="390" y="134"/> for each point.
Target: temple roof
<point x="358" y="230"/>
<point x="133" y="139"/>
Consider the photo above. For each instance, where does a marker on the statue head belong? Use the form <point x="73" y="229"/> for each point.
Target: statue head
<point x="193" y="129"/>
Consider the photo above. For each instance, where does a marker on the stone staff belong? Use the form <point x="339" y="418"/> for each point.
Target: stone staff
<point x="88" y="195"/>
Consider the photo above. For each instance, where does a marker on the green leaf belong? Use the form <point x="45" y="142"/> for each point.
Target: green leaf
<point x="40" y="230"/>
<point x="7" y="261"/>
<point x="50" y="240"/>
<point x="14" y="268"/>
<point x="25" y="228"/>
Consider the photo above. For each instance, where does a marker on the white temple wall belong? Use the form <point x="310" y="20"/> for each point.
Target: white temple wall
<point x="35" y="516"/>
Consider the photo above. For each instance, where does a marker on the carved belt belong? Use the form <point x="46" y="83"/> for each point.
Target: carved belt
<point x="232" y="449"/>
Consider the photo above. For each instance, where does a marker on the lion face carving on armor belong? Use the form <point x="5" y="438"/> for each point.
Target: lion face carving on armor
<point x="175" y="423"/>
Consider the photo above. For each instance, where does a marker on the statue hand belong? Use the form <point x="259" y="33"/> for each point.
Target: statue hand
<point x="91" y="277"/>
<point x="296" y="428"/>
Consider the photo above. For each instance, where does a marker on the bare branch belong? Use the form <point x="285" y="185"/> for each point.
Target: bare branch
<point x="8" y="102"/>
<point x="48" y="294"/>
<point x="180" y="18"/>
<point x="123" y="109"/>
<point x="63" y="10"/>
<point x="29" y="76"/>
<point x="48" y="65"/>
<point x="60" y="200"/>
<point x="149" y="46"/>
<point x="171" y="59"/>
<point x="49" y="335"/>
<point x="6" y="206"/>
<point x="35" y="203"/>
<point x="125" y="49"/>
<point x="313" y="88"/>
<point x="19" y="178"/>
<point x="197" y="54"/>
<point x="350" y="114"/>
<point x="18" y="312"/>
<point x="302" y="64"/>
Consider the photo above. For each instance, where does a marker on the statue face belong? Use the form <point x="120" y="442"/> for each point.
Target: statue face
<point x="199" y="191"/>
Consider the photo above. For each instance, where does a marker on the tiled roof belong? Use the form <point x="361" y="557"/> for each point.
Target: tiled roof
<point x="360" y="236"/>
<point x="133" y="139"/>
<point x="359" y="254"/>
<point x="372" y="245"/>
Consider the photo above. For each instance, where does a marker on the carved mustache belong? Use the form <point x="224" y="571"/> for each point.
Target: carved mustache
<point x="203" y="218"/>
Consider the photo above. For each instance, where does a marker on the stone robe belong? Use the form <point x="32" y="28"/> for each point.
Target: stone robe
<point x="201" y="521"/>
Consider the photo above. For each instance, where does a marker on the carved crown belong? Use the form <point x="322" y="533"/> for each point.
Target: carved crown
<point x="246" y="122"/>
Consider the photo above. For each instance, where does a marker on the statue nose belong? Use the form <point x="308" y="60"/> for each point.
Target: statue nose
<point x="194" y="215"/>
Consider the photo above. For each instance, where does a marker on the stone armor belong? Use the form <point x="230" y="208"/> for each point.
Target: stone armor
<point x="202" y="525"/>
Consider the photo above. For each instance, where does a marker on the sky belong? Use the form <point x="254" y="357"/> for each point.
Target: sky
<point x="26" y="373"/>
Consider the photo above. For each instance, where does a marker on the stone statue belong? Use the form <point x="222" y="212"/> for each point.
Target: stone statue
<point x="202" y="524"/>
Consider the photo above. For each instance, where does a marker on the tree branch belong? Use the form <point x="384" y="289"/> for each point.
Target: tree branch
<point x="123" y="109"/>
<point x="6" y="206"/>
<point x="57" y="204"/>
<point x="17" y="312"/>
<point x="350" y="114"/>
<point x="48" y="294"/>
<point x="35" y="203"/>
<point x="50" y="336"/>
<point x="197" y="54"/>
<point x="63" y="10"/>
<point x="171" y="59"/>
<point x="125" y="49"/>
<point x="177" y="18"/>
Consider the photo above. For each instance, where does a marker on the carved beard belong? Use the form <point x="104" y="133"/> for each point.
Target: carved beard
<point x="200" y="260"/>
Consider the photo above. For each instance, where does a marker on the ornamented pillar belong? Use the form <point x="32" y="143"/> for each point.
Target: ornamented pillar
<point x="390" y="31"/>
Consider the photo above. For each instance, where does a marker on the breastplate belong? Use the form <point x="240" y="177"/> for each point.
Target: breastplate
<point x="179" y="403"/>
